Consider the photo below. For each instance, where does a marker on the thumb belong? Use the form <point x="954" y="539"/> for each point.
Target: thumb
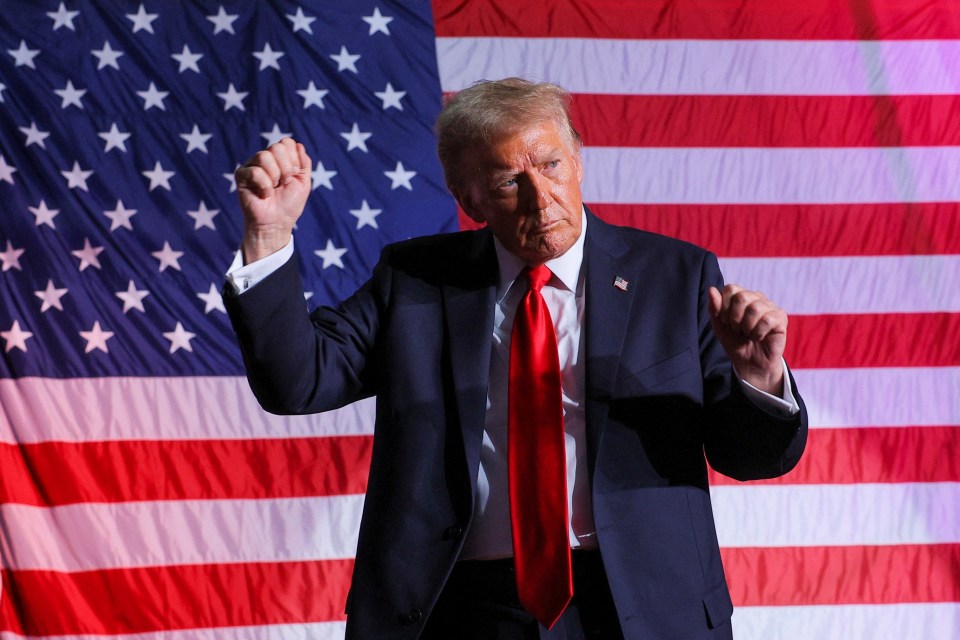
<point x="716" y="302"/>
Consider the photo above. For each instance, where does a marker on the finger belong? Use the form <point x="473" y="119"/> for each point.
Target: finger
<point x="736" y="302"/>
<point x="306" y="163"/>
<point x="771" y="322"/>
<point x="268" y="161"/>
<point x="256" y="179"/>
<point x="288" y="160"/>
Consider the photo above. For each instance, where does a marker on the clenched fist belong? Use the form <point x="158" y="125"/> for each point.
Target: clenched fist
<point x="753" y="332"/>
<point x="273" y="187"/>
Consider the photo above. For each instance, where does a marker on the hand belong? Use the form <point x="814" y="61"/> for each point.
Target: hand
<point x="273" y="187"/>
<point x="753" y="332"/>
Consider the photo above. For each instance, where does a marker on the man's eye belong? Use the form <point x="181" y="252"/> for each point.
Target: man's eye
<point x="553" y="164"/>
<point x="508" y="183"/>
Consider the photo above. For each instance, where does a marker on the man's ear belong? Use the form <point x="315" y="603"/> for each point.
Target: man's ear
<point x="467" y="205"/>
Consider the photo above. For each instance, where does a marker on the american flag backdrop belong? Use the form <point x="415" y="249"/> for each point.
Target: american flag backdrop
<point x="813" y="145"/>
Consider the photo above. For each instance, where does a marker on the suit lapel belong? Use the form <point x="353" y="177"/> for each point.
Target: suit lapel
<point x="468" y="303"/>
<point x="608" y="309"/>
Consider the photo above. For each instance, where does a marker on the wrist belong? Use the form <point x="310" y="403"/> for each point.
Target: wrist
<point x="260" y="243"/>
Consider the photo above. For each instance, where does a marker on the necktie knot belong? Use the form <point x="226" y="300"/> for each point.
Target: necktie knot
<point x="538" y="276"/>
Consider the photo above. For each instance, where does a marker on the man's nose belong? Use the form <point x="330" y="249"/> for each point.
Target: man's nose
<point x="536" y="191"/>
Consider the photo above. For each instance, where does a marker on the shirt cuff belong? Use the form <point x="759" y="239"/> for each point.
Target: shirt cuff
<point x="243" y="277"/>
<point x="785" y="406"/>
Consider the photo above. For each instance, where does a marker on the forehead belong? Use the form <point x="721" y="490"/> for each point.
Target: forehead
<point x="522" y="145"/>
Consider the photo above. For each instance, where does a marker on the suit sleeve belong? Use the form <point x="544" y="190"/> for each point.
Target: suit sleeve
<point x="741" y="439"/>
<point x="298" y="362"/>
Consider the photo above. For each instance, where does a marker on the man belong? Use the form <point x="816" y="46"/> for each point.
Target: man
<point x="645" y="334"/>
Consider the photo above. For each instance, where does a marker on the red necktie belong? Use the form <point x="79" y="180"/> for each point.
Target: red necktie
<point x="537" y="460"/>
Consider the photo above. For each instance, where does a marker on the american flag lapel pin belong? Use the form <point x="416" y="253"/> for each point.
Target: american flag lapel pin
<point x="620" y="283"/>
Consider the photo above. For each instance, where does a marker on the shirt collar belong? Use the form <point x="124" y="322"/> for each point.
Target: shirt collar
<point x="566" y="268"/>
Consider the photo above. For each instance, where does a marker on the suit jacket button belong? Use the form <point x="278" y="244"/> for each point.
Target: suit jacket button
<point x="453" y="533"/>
<point x="412" y="617"/>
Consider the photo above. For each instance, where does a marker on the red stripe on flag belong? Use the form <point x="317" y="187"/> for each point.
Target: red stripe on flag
<point x="149" y="599"/>
<point x="699" y="19"/>
<point x="873" y="454"/>
<point x="800" y="230"/>
<point x="777" y="576"/>
<point x="766" y="121"/>
<point x="57" y="473"/>
<point x="874" y="340"/>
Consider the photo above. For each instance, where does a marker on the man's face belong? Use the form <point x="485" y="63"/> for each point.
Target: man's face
<point x="526" y="187"/>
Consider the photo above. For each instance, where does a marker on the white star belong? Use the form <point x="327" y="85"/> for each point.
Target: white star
<point x="399" y="177"/>
<point x="34" y="135"/>
<point x="159" y="177"/>
<point x="115" y="138"/>
<point x="88" y="255"/>
<point x="3" y="88"/>
<point x="11" y="258"/>
<point x="16" y="337"/>
<point x="232" y="177"/>
<point x="6" y="170"/>
<point x="63" y="18"/>
<point x="107" y="56"/>
<point x="312" y="96"/>
<point x="96" y="338"/>
<point x="77" y="177"/>
<point x="23" y="57"/>
<point x="120" y="217"/>
<point x="203" y="217"/>
<point x="274" y="135"/>
<point x="268" y="57"/>
<point x="322" y="177"/>
<point x="356" y="139"/>
<point x="196" y="140"/>
<point x="390" y="97"/>
<point x="133" y="298"/>
<point x="222" y="21"/>
<point x="378" y="22"/>
<point x="70" y="95"/>
<point x="366" y="216"/>
<point x="213" y="300"/>
<point x="179" y="338"/>
<point x="345" y="60"/>
<point x="167" y="257"/>
<point x="187" y="59"/>
<point x="233" y="98"/>
<point x="301" y="21"/>
<point x="142" y="20"/>
<point x="44" y="215"/>
<point x="331" y="255"/>
<point x="153" y="97"/>
<point x="51" y="297"/>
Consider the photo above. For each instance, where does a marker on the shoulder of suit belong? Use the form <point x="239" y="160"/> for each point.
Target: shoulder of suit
<point x="442" y="256"/>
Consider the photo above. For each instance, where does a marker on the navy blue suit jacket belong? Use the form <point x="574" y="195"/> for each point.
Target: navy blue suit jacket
<point x="660" y="396"/>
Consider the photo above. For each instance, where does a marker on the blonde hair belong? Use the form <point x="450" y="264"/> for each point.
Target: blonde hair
<point x="490" y="109"/>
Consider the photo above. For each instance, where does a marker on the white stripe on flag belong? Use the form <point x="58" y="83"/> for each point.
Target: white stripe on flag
<point x="830" y="515"/>
<point x="853" y="285"/>
<point x="883" y="397"/>
<point x="198" y="408"/>
<point x="814" y="175"/>
<point x="146" y="534"/>
<point x="700" y="67"/>
<point x="303" y="631"/>
<point x="929" y="621"/>
<point x="916" y="396"/>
